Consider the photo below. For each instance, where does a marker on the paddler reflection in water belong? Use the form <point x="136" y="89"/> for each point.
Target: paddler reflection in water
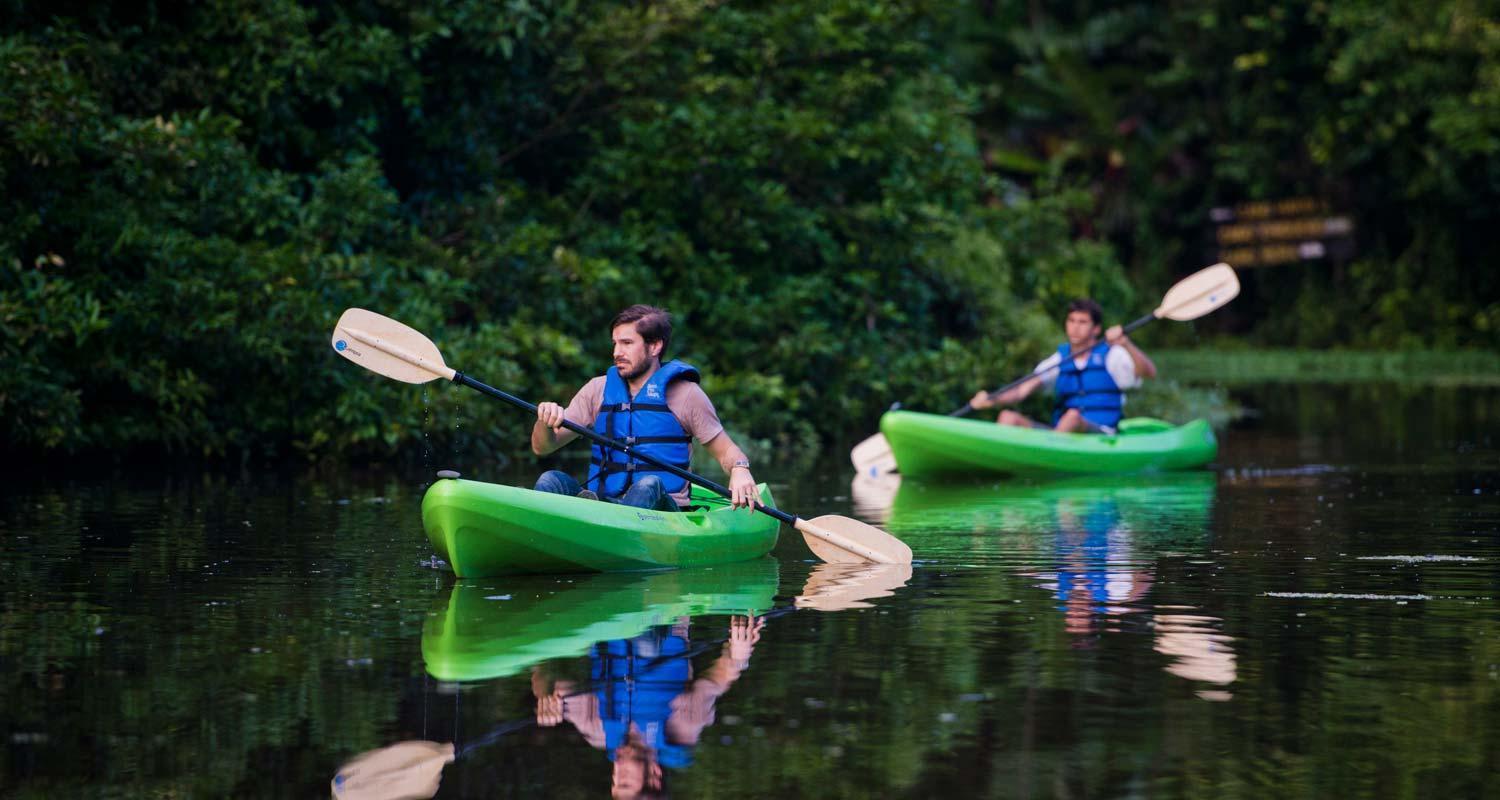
<point x="1090" y="387"/>
<point x="1097" y="584"/>
<point x="1095" y="579"/>
<point x="658" y="409"/>
<point x="647" y="709"/>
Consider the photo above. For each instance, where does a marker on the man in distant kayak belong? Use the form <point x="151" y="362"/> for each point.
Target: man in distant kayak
<point x="1090" y="386"/>
<point x="658" y="409"/>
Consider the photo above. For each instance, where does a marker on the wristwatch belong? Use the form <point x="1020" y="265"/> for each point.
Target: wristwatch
<point x="740" y="463"/>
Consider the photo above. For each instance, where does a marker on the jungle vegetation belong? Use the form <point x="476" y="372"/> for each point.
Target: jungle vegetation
<point x="844" y="203"/>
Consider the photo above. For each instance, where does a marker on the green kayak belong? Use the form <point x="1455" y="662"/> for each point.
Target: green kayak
<point x="484" y="529"/>
<point x="497" y="627"/>
<point x="931" y="444"/>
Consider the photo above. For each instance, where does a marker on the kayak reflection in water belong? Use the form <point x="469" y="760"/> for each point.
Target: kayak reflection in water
<point x="647" y="709"/>
<point x="1090" y="387"/>
<point x="658" y="409"/>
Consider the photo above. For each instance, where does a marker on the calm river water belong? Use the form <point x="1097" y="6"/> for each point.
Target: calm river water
<point x="1316" y="616"/>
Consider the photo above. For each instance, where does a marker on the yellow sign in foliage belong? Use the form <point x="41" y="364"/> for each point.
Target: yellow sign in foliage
<point x="1267" y="232"/>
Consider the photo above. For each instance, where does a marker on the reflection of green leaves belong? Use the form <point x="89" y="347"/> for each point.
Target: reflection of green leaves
<point x="193" y="662"/>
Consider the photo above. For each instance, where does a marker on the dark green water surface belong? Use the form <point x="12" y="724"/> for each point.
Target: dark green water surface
<point x="1316" y="616"/>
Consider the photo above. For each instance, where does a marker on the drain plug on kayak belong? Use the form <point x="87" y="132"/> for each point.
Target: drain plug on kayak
<point x="447" y="473"/>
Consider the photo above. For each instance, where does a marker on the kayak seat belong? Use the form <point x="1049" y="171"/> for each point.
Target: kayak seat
<point x="1143" y="425"/>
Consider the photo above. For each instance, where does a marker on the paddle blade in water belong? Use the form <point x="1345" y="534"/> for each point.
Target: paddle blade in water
<point x="401" y="771"/>
<point x="873" y="456"/>
<point x="1198" y="294"/>
<point x="385" y="346"/>
<point x="837" y="587"/>
<point x="840" y="540"/>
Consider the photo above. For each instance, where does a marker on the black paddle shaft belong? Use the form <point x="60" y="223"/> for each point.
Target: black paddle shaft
<point x="1017" y="382"/>
<point x="459" y="377"/>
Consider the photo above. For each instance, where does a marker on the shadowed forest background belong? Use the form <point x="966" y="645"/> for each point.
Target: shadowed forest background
<point x="844" y="203"/>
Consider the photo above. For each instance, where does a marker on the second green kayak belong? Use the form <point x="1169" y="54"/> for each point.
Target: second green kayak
<point x="931" y="444"/>
<point x="484" y="529"/>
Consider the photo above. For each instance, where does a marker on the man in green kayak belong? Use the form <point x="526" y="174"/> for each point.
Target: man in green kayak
<point x="1090" y="386"/>
<point x="657" y="409"/>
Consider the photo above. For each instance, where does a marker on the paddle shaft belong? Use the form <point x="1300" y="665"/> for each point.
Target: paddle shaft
<point x="598" y="438"/>
<point x="1137" y="324"/>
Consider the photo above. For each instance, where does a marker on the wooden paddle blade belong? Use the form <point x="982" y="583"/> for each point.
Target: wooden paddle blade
<point x="873" y="456"/>
<point x="402" y="771"/>
<point x="385" y="346"/>
<point x="837" y="587"/>
<point x="1197" y="294"/>
<point x="840" y="540"/>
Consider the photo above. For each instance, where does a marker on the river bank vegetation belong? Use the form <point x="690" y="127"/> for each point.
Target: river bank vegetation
<point x="846" y="204"/>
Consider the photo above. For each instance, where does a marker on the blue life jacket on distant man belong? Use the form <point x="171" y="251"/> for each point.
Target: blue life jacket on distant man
<point x="1091" y="390"/>
<point x="646" y="424"/>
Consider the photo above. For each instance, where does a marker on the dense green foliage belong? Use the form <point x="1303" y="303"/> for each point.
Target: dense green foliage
<point x="1390" y="111"/>
<point x="197" y="193"/>
<point x="843" y="207"/>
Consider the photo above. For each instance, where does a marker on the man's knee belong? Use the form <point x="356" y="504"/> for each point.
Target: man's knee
<point x="555" y="481"/>
<point x="1071" y="420"/>
<point x="648" y="491"/>
<point x="1009" y="417"/>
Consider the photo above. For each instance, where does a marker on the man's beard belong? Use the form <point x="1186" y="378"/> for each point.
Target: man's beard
<point x="638" y="371"/>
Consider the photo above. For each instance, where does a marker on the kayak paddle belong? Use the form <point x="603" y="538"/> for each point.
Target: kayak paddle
<point x="1192" y="297"/>
<point x="390" y="348"/>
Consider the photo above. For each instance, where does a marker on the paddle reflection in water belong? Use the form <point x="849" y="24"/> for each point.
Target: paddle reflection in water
<point x="1090" y="541"/>
<point x="1198" y="649"/>
<point x="643" y="703"/>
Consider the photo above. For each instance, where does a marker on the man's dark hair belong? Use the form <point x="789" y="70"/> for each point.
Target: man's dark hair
<point x="654" y="324"/>
<point x="1088" y="306"/>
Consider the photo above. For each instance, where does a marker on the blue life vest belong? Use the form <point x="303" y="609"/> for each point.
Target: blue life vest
<point x="646" y="424"/>
<point x="639" y="679"/>
<point x="1091" y="390"/>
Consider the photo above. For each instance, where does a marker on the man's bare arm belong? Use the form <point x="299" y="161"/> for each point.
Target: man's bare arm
<point x="1144" y="367"/>
<point x="741" y="483"/>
